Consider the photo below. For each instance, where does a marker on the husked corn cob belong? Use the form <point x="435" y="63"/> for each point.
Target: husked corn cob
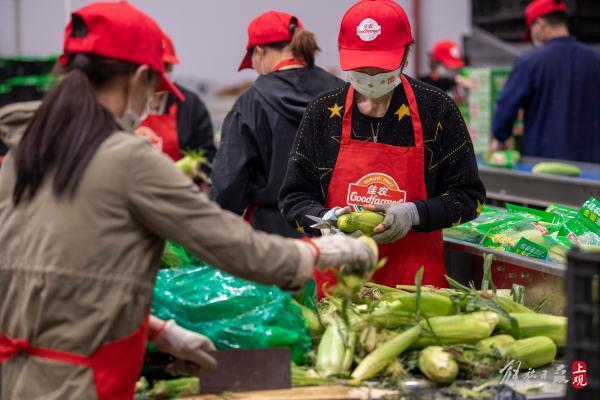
<point x="390" y="315"/>
<point x="533" y="352"/>
<point x="511" y="306"/>
<point x="498" y="342"/>
<point x="454" y="329"/>
<point x="331" y="351"/>
<point x="349" y="355"/>
<point x="432" y="304"/>
<point x="556" y="168"/>
<point x="533" y="324"/>
<point x="364" y="221"/>
<point x="438" y="365"/>
<point x="385" y="354"/>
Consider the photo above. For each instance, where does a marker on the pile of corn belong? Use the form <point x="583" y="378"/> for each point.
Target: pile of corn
<point x="439" y="333"/>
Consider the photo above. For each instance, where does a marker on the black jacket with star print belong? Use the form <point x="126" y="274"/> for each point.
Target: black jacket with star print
<point x="455" y="191"/>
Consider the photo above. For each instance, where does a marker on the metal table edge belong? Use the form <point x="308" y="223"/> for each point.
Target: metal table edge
<point x="510" y="258"/>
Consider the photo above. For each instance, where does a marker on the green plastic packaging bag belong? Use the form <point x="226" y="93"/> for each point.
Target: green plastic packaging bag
<point x="476" y="230"/>
<point x="232" y="312"/>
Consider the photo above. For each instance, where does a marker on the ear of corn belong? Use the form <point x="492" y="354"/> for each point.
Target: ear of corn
<point x="331" y="351"/>
<point x="312" y="321"/>
<point x="438" y="365"/>
<point x="498" y="342"/>
<point x="390" y="315"/>
<point x="511" y="306"/>
<point x="364" y="221"/>
<point x="453" y="329"/>
<point x="368" y="338"/>
<point x="385" y="354"/>
<point x="532" y="324"/>
<point x="371" y="243"/>
<point x="556" y="168"/>
<point x="349" y="354"/>
<point x="532" y="352"/>
<point x="432" y="304"/>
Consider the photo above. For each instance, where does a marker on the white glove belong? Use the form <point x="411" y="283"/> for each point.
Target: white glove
<point x="344" y="251"/>
<point x="186" y="345"/>
<point x="333" y="214"/>
<point x="399" y="220"/>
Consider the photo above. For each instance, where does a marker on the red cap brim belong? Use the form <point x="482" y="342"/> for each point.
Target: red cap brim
<point x="165" y="84"/>
<point x="453" y="63"/>
<point x="388" y="60"/>
<point x="170" y="59"/>
<point x="246" y="62"/>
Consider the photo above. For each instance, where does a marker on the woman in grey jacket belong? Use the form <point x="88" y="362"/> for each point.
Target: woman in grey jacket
<point x="86" y="207"/>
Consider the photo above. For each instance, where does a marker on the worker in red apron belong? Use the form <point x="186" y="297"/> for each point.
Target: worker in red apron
<point x="174" y="126"/>
<point x="258" y="132"/>
<point x="445" y="63"/>
<point x="388" y="143"/>
<point x="86" y="207"/>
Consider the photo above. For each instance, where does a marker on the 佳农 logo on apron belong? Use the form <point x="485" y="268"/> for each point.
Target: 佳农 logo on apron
<point x="374" y="188"/>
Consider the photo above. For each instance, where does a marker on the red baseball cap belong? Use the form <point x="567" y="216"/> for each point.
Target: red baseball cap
<point x="448" y="53"/>
<point x="270" y="27"/>
<point x="169" y="55"/>
<point x="374" y="33"/>
<point x="539" y="8"/>
<point x="120" y="31"/>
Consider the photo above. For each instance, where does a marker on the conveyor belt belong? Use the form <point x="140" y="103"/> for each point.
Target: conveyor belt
<point x="521" y="186"/>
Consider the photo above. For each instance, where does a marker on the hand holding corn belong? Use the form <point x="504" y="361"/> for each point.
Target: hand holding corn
<point x="341" y="250"/>
<point x="399" y="220"/>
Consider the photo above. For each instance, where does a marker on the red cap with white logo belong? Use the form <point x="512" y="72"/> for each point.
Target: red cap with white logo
<point x="270" y="27"/>
<point x="120" y="31"/>
<point x="374" y="34"/>
<point x="539" y="8"/>
<point x="448" y="53"/>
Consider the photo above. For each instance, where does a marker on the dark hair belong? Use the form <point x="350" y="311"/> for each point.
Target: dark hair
<point x="303" y="45"/>
<point x="407" y="54"/>
<point x="69" y="126"/>
<point x="556" y="18"/>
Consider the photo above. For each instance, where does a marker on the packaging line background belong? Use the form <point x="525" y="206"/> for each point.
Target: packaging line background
<point x="210" y="36"/>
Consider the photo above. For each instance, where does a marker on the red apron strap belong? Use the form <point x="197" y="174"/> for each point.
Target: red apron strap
<point x="288" y="63"/>
<point x="347" y="120"/>
<point x="414" y="111"/>
<point x="10" y="347"/>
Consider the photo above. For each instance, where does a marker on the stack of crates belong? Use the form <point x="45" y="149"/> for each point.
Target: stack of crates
<point x="583" y="312"/>
<point x="24" y="79"/>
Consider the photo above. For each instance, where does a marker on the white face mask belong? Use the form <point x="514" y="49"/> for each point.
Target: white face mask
<point x="130" y="120"/>
<point x="375" y="86"/>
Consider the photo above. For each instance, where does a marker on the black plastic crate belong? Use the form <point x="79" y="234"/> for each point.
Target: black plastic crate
<point x="583" y="311"/>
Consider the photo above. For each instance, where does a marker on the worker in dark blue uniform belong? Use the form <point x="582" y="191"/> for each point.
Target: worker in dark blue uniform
<point x="557" y="85"/>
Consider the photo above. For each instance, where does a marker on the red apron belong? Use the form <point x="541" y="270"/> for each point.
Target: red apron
<point x="116" y="365"/>
<point x="165" y="127"/>
<point x="370" y="173"/>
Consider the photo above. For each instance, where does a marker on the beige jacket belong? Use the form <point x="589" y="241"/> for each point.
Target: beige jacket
<point x="75" y="274"/>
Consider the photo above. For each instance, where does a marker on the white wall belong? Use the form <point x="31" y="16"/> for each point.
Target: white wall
<point x="210" y="35"/>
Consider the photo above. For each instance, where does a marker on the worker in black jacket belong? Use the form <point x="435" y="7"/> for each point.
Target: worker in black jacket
<point x="175" y="126"/>
<point x="258" y="133"/>
<point x="384" y="142"/>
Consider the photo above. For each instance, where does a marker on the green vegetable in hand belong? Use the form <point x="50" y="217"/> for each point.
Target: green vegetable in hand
<point x="364" y="221"/>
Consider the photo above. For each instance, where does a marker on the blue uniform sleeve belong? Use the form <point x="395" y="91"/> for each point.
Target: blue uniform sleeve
<point x="232" y="165"/>
<point x="515" y="95"/>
